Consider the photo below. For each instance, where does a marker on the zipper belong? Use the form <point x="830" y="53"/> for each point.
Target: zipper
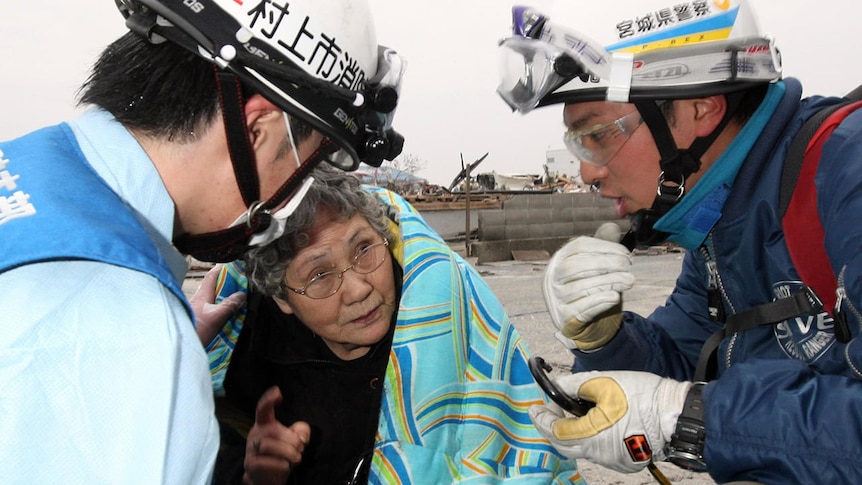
<point x="715" y="292"/>
<point x="842" y="302"/>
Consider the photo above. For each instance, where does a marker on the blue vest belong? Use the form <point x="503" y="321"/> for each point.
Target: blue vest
<point x="54" y="206"/>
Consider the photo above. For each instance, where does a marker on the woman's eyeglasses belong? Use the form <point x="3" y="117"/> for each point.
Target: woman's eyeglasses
<point x="324" y="285"/>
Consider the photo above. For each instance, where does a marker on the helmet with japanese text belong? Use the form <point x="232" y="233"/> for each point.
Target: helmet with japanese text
<point x="632" y="51"/>
<point x="319" y="61"/>
<point x="644" y="52"/>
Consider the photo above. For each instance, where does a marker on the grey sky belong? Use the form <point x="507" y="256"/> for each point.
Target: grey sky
<point x="449" y="105"/>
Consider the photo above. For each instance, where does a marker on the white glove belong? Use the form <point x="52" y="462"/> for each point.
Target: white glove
<point x="582" y="289"/>
<point x="630" y="407"/>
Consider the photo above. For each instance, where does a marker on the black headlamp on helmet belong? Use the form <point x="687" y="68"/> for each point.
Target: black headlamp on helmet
<point x="667" y="51"/>
<point x="340" y="82"/>
<point x="317" y="61"/>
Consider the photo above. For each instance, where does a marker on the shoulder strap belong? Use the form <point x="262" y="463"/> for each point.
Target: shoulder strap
<point x="801" y="146"/>
<point x="803" y="234"/>
<point x="803" y="230"/>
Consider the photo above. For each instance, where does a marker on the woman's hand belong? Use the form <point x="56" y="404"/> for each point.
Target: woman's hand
<point x="272" y="449"/>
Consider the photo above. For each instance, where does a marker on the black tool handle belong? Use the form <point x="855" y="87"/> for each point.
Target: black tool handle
<point x="539" y="368"/>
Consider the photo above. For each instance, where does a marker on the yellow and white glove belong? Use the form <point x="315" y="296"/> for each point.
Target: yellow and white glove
<point x="583" y="288"/>
<point x="634" y="418"/>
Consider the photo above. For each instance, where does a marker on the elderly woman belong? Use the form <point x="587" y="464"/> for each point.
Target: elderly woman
<point x="367" y="351"/>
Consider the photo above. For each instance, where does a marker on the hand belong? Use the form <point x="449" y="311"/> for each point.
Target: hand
<point x="582" y="289"/>
<point x="634" y="417"/>
<point x="272" y="449"/>
<point x="210" y="317"/>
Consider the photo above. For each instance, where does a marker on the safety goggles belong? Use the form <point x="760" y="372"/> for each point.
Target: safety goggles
<point x="527" y="71"/>
<point x="541" y="56"/>
<point x="598" y="144"/>
<point x="544" y="63"/>
<point x="378" y="140"/>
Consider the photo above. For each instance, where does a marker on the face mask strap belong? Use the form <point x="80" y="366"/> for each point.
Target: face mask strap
<point x="290" y="137"/>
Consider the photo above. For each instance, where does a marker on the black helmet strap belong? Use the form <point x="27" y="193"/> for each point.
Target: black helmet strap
<point x="676" y="166"/>
<point x="242" y="155"/>
<point x="229" y="244"/>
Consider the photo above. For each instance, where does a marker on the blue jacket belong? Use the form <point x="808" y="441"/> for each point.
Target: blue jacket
<point x="104" y="227"/>
<point x="786" y="406"/>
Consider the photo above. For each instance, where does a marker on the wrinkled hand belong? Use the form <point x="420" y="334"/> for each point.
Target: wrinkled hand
<point x="210" y="317"/>
<point x="582" y="290"/>
<point x="634" y="410"/>
<point x="272" y="449"/>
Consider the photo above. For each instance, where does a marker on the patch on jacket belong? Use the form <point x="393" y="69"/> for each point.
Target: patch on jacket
<point x="804" y="337"/>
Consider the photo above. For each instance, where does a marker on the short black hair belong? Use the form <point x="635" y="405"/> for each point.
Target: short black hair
<point x="162" y="90"/>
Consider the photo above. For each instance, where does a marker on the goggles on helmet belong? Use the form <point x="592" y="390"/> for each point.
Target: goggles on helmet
<point x="529" y="69"/>
<point x="353" y="111"/>
<point x="544" y="63"/>
<point x="598" y="144"/>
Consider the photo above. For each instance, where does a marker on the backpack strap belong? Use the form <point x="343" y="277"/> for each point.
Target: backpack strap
<point x="803" y="231"/>
<point x="804" y="236"/>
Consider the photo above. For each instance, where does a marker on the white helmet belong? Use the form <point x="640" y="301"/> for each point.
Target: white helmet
<point x="317" y="60"/>
<point x="658" y="49"/>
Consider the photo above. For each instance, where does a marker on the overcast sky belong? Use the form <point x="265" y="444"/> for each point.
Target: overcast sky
<point x="449" y="106"/>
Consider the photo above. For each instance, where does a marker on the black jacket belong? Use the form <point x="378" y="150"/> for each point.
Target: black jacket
<point x="339" y="399"/>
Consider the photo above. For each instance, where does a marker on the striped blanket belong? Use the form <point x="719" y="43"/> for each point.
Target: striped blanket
<point x="457" y="385"/>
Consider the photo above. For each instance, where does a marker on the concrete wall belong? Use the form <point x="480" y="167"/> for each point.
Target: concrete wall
<point x="540" y="222"/>
<point x="452" y="224"/>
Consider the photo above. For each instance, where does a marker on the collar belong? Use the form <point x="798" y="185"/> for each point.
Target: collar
<point x="123" y="164"/>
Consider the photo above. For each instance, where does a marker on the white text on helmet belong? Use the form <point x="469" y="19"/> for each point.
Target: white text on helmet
<point x="194" y="5"/>
<point x="348" y="121"/>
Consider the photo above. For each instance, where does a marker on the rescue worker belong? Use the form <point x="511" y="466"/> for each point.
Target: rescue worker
<point x="682" y="116"/>
<point x="204" y="120"/>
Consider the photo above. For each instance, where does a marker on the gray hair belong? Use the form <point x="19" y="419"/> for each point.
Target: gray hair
<point x="332" y="189"/>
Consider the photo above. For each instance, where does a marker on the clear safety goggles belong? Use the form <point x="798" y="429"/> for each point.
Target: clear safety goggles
<point x="542" y="58"/>
<point x="527" y="72"/>
<point x="598" y="144"/>
<point x="385" y="87"/>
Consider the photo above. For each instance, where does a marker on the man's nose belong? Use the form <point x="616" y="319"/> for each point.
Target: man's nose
<point x="591" y="173"/>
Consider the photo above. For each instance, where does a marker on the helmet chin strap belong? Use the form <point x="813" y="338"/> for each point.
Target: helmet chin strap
<point x="677" y="165"/>
<point x="231" y="243"/>
<point x="238" y="142"/>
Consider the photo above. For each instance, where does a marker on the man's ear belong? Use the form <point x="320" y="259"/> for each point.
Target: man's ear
<point x="708" y="113"/>
<point x="263" y="119"/>
<point x="283" y="305"/>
